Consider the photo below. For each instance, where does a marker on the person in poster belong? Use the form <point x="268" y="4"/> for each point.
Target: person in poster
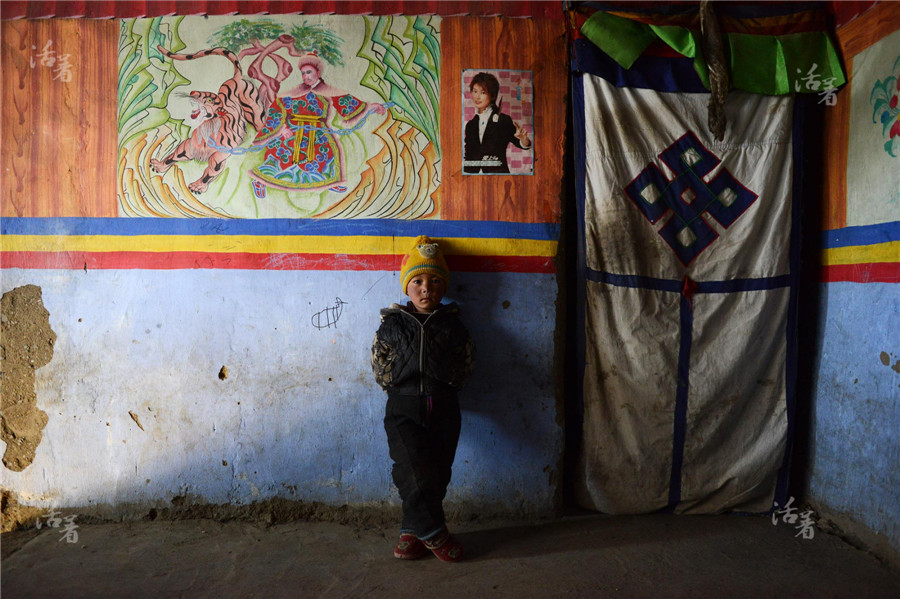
<point x="489" y="133"/>
<point x="302" y="152"/>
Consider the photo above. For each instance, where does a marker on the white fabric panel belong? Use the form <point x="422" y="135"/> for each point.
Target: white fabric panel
<point x="736" y="416"/>
<point x="631" y="127"/>
<point x="627" y="444"/>
<point x="736" y="408"/>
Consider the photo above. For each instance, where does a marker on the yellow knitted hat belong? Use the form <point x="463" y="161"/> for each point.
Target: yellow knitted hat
<point x="424" y="257"/>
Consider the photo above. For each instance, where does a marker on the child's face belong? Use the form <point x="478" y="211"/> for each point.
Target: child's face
<point x="426" y="292"/>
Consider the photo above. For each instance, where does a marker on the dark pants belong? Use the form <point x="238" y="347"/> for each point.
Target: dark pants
<point x="422" y="432"/>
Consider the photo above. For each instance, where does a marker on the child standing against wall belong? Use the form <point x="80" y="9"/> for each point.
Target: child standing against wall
<point x="421" y="356"/>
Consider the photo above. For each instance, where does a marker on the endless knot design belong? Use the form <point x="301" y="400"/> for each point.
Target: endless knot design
<point x="688" y="196"/>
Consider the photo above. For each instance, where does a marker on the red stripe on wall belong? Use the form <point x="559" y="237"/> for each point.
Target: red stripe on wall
<point x="878" y="272"/>
<point x="242" y="261"/>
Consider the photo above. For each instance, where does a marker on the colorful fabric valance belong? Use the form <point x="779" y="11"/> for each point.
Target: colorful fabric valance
<point x="772" y="55"/>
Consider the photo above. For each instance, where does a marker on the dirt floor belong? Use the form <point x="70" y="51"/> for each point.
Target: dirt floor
<point x="578" y="556"/>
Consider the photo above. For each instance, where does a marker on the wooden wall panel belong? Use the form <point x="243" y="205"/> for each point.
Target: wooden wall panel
<point x="59" y="139"/>
<point x="863" y="31"/>
<point x="537" y="45"/>
<point x="835" y="142"/>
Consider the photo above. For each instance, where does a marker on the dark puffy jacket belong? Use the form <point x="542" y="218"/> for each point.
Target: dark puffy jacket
<point x="412" y="358"/>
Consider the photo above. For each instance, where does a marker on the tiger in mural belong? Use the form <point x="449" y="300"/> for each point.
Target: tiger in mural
<point x="225" y="117"/>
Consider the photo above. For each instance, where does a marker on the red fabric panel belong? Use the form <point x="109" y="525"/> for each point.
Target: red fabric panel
<point x="847" y="10"/>
<point x="22" y="9"/>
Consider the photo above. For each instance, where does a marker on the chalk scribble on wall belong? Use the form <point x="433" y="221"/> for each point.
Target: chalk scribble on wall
<point x="279" y="117"/>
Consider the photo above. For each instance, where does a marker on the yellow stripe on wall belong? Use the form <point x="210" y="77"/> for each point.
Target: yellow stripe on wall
<point x="862" y="254"/>
<point x="259" y="244"/>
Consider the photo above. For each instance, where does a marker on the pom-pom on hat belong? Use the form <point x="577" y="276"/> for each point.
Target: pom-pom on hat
<point x="425" y="257"/>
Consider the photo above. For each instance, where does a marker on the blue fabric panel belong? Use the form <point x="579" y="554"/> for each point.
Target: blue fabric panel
<point x="580" y="253"/>
<point x="648" y="72"/>
<point x="782" y="486"/>
<point x="681" y="400"/>
<point x="674" y="286"/>
<point x="634" y="281"/>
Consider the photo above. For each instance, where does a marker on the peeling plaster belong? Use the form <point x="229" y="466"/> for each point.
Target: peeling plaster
<point x="886" y="360"/>
<point x="135" y="418"/>
<point x="26" y="344"/>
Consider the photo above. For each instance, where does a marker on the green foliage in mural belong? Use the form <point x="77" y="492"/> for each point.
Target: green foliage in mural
<point x="244" y="33"/>
<point x="405" y="69"/>
<point x="145" y="84"/>
<point x="325" y="43"/>
<point x="307" y="38"/>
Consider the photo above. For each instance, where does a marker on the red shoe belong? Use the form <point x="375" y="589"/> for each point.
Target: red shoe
<point x="445" y="547"/>
<point x="409" y="547"/>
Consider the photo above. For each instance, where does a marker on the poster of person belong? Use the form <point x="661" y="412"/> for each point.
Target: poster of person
<point x="316" y="116"/>
<point x="498" y="122"/>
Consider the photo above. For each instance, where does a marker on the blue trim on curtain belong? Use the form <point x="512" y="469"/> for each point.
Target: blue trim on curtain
<point x="737" y="285"/>
<point x="634" y="281"/>
<point x="790" y="364"/>
<point x="658" y="73"/>
<point x="679" y="424"/>
<point x="578" y="122"/>
<point x="675" y="286"/>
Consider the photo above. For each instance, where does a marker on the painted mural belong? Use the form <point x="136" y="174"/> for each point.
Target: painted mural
<point x="884" y="99"/>
<point x="873" y="165"/>
<point x="279" y="117"/>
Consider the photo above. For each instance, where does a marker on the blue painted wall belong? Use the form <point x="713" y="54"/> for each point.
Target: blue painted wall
<point x="855" y="441"/>
<point x="299" y="415"/>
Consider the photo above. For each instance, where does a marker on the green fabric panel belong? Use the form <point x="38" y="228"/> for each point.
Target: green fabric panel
<point x="623" y="39"/>
<point x="763" y="64"/>
<point x="757" y="64"/>
<point x="687" y="43"/>
<point x="811" y="63"/>
<point x="798" y="63"/>
<point x="679" y="39"/>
